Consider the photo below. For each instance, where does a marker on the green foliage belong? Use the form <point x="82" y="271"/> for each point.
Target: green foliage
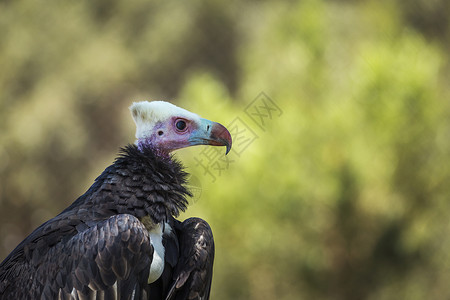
<point x="343" y="196"/>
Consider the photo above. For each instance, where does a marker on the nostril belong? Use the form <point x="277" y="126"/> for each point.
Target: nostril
<point x="207" y="128"/>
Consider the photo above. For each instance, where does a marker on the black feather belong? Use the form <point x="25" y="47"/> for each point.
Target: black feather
<point x="99" y="242"/>
<point x="193" y="273"/>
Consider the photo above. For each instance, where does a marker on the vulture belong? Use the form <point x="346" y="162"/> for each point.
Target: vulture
<point x="120" y="239"/>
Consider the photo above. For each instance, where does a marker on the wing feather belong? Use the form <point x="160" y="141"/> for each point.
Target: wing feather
<point x="193" y="273"/>
<point x="109" y="260"/>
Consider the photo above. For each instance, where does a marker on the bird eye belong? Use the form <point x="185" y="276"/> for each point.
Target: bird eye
<point x="181" y="125"/>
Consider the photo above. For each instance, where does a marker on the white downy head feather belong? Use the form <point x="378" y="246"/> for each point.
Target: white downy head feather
<point x="147" y="114"/>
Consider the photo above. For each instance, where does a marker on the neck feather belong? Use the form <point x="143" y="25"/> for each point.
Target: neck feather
<point x="143" y="183"/>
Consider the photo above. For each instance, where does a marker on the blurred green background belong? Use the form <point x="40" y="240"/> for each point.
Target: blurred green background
<point x="343" y="193"/>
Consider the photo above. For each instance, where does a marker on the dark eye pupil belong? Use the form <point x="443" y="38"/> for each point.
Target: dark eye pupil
<point x="181" y="125"/>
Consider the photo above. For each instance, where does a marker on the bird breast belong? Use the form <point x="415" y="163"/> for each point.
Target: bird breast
<point x="155" y="232"/>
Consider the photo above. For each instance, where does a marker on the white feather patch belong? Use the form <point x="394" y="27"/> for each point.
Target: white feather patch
<point x="147" y="114"/>
<point x="157" y="266"/>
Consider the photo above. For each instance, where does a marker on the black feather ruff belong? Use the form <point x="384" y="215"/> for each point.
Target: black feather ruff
<point x="140" y="183"/>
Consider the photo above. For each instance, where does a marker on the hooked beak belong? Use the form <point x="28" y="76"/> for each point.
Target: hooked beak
<point x="211" y="133"/>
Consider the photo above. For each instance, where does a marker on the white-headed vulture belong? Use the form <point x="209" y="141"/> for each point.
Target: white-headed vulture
<point x="120" y="240"/>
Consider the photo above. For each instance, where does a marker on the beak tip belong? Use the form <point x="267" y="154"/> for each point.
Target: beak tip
<point x="228" y="149"/>
<point x="220" y="136"/>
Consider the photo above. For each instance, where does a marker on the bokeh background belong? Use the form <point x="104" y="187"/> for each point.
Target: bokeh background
<point x="341" y="191"/>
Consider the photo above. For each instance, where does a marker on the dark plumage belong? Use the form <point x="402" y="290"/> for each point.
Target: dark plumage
<point x="99" y="240"/>
<point x="194" y="269"/>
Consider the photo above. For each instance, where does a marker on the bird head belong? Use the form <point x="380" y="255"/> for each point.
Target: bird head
<point x="166" y="127"/>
